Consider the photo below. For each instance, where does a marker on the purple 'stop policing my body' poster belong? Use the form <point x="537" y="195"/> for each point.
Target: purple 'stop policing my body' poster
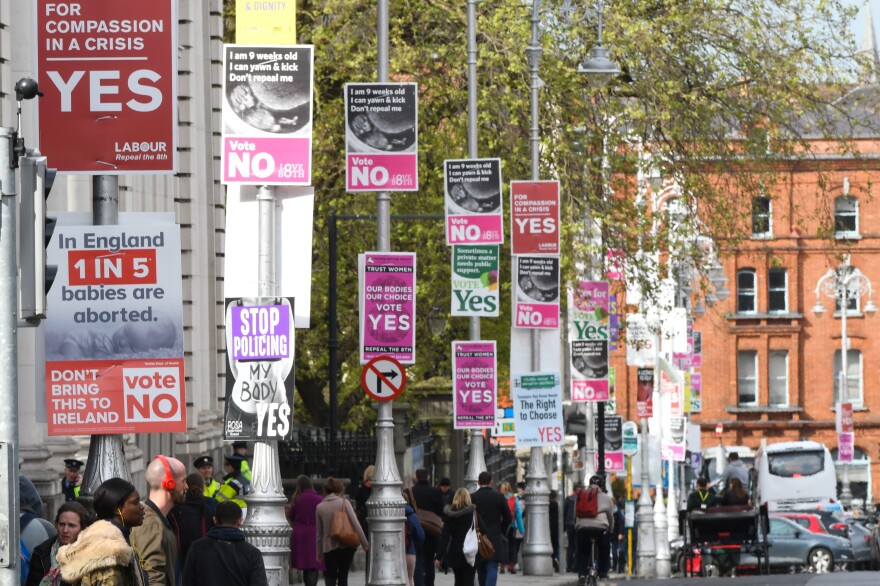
<point x="474" y="384"/>
<point x="388" y="305"/>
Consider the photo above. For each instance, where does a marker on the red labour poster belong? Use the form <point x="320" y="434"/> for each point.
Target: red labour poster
<point x="108" y="71"/>
<point x="534" y="217"/>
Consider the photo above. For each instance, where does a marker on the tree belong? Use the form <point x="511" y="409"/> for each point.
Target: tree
<point x="718" y="92"/>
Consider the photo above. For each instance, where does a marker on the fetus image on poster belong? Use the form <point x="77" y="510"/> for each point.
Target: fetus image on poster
<point x="156" y="338"/>
<point x="383" y="132"/>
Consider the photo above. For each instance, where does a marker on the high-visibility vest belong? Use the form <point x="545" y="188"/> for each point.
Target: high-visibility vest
<point x="246" y="470"/>
<point x="211" y="488"/>
<point x="232" y="489"/>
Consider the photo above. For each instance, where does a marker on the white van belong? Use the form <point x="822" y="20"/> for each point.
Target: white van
<point x="795" y="475"/>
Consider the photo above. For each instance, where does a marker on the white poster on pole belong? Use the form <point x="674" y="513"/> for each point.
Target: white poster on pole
<point x="537" y="409"/>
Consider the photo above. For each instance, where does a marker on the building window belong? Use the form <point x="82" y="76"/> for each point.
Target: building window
<point x="747" y="377"/>
<point x="853" y="377"/>
<point x="745" y="291"/>
<point x="846" y="216"/>
<point x="778" y="378"/>
<point x="777" y="291"/>
<point x="761" y="226"/>
<point x="853" y="302"/>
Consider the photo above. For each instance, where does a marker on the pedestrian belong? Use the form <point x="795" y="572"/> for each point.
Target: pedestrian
<point x="205" y="466"/>
<point x="364" y="490"/>
<point x="71" y="519"/>
<point x="458" y="519"/>
<point x="102" y="554"/>
<point x="595" y="527"/>
<point x="70" y="484"/>
<point x="194" y="517"/>
<point x="554" y="527"/>
<point x="302" y="515"/>
<point x="414" y="534"/>
<point x="446" y="490"/>
<point x="33" y="528"/>
<point x="223" y="556"/>
<point x="496" y="518"/>
<point x="234" y="485"/>
<point x="337" y="558"/>
<point x="568" y="523"/>
<point x="617" y="536"/>
<point x="702" y="497"/>
<point x="155" y="539"/>
<point x="509" y="562"/>
<point x="240" y="448"/>
<point x="520" y="529"/>
<point x="427" y="498"/>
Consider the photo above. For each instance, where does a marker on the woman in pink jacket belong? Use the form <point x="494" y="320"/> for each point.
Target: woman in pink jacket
<point x="303" y="539"/>
<point x="337" y="558"/>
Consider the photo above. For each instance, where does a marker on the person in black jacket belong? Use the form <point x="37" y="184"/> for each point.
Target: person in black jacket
<point x="71" y="519"/>
<point x="428" y="498"/>
<point x="495" y="514"/>
<point x="458" y="519"/>
<point x="194" y="516"/>
<point x="223" y="556"/>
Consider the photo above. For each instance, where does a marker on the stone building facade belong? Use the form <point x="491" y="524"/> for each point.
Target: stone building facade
<point x="195" y="197"/>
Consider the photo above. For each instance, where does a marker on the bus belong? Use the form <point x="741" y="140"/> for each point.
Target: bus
<point x="795" y="475"/>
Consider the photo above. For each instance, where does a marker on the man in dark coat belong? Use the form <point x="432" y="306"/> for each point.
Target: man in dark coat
<point x="428" y="498"/>
<point x="495" y="515"/>
<point x="223" y="556"/>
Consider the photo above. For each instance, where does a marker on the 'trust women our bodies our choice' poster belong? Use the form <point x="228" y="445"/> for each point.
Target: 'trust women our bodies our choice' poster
<point x="387" y="300"/>
<point x="474" y="383"/>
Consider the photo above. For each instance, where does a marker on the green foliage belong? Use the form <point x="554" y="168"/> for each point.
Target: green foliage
<point x="716" y="91"/>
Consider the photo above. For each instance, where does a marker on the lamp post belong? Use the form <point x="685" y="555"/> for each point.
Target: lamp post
<point x="845" y="284"/>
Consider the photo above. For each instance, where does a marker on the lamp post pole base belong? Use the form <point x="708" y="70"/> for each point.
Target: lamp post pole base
<point x="537" y="547"/>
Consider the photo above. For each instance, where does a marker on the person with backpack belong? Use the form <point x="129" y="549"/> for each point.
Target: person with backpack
<point x="594" y="513"/>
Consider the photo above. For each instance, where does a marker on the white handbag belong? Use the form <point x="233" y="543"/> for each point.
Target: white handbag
<point x="471" y="545"/>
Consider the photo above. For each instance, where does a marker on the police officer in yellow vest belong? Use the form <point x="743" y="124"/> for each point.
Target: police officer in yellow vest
<point x="70" y="483"/>
<point x="240" y="449"/>
<point x="235" y="485"/>
<point x="205" y="466"/>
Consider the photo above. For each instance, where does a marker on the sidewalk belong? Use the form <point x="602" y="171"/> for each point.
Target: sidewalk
<point x="441" y="579"/>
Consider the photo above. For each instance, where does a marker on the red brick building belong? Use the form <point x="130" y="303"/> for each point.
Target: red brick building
<point x="770" y="364"/>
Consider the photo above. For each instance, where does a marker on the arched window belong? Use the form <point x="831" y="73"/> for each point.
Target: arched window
<point x="746" y="291"/>
<point x="846" y="216"/>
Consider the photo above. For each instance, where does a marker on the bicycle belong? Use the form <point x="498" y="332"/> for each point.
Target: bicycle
<point x="592" y="576"/>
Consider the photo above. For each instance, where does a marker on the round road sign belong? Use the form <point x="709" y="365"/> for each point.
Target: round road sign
<point x="383" y="378"/>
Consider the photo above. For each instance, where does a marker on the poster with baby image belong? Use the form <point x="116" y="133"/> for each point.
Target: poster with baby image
<point x="114" y="330"/>
<point x="473" y="201"/>
<point x="588" y="334"/>
<point x="259" y="368"/>
<point x="381" y="137"/>
<point x="267" y="114"/>
<point x="536" y="292"/>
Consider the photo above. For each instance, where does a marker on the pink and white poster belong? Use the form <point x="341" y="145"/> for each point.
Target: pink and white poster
<point x="474" y="384"/>
<point x="267" y="114"/>
<point x="381" y="137"/>
<point x="588" y="334"/>
<point x="474" y="212"/>
<point x="387" y="283"/>
<point x="536" y="287"/>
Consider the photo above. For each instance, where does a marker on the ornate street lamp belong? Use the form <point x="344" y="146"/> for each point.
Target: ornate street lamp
<point x="845" y="284"/>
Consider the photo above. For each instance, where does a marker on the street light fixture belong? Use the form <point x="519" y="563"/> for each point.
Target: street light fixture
<point x="845" y="284"/>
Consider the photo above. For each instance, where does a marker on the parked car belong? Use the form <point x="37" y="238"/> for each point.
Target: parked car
<point x="809" y="521"/>
<point x="792" y="548"/>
